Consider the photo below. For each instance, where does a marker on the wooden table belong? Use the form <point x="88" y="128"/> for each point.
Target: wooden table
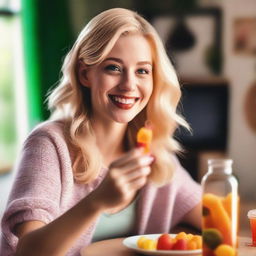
<point x="114" y="247"/>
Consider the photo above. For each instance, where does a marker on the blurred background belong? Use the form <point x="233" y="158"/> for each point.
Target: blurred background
<point x="212" y="44"/>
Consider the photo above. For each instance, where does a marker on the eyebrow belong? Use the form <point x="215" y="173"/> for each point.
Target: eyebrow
<point x="120" y="61"/>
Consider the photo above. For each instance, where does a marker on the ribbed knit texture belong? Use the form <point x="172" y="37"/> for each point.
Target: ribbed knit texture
<point x="44" y="189"/>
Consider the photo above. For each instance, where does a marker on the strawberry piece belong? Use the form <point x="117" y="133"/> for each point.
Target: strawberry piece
<point x="181" y="244"/>
<point x="165" y="242"/>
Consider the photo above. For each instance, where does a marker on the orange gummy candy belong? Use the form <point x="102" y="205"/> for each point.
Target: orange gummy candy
<point x="144" y="138"/>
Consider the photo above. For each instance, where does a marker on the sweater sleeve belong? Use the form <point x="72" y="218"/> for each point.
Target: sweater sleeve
<point x="188" y="195"/>
<point x="35" y="194"/>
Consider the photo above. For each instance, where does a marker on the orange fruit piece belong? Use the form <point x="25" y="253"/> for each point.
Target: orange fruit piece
<point x="192" y="245"/>
<point x="144" y="138"/>
<point x="181" y="235"/>
<point x="225" y="250"/>
<point x="140" y="241"/>
<point x="198" y="240"/>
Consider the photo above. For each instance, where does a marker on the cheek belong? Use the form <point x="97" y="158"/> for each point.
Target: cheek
<point x="106" y="83"/>
<point x="99" y="89"/>
<point x="100" y="96"/>
<point x="147" y="90"/>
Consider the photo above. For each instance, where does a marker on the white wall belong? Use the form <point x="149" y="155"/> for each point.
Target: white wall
<point x="241" y="72"/>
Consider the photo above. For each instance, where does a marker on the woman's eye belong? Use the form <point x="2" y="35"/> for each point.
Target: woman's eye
<point x="113" y="68"/>
<point x="143" y="71"/>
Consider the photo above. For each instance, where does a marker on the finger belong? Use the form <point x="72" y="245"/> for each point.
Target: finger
<point x="138" y="163"/>
<point x="126" y="158"/>
<point x="138" y="183"/>
<point x="138" y="173"/>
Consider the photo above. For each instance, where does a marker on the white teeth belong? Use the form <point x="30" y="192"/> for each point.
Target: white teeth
<point x="124" y="101"/>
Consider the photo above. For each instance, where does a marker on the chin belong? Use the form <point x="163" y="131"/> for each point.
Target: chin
<point x="124" y="119"/>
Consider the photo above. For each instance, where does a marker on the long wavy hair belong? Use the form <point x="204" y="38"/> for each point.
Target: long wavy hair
<point x="71" y="102"/>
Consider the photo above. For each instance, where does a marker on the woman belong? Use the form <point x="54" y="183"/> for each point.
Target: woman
<point x="83" y="165"/>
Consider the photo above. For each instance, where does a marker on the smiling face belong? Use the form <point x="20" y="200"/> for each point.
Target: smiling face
<point x="122" y="83"/>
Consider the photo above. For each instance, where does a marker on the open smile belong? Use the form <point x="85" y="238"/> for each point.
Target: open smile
<point x="123" y="102"/>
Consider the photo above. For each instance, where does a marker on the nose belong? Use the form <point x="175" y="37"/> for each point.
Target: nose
<point x="128" y="81"/>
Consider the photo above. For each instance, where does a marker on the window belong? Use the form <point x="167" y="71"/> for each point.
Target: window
<point x="13" y="121"/>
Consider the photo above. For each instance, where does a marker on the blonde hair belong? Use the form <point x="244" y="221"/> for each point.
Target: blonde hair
<point x="71" y="101"/>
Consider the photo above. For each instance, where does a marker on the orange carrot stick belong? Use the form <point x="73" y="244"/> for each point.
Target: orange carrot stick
<point x="219" y="216"/>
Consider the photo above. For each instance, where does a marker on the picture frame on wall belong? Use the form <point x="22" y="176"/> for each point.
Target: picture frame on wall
<point x="245" y="36"/>
<point x="250" y="107"/>
<point x="203" y="34"/>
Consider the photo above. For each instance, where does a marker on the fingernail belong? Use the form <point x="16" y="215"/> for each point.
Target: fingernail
<point x="147" y="160"/>
<point x="154" y="158"/>
<point x="151" y="159"/>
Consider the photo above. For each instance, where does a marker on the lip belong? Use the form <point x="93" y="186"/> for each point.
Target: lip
<point x="124" y="106"/>
<point x="124" y="96"/>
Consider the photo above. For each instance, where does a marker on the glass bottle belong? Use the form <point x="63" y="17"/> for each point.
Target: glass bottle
<point x="220" y="202"/>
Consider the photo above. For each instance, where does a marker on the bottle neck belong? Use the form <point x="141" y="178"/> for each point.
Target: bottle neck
<point x="221" y="166"/>
<point x="220" y="170"/>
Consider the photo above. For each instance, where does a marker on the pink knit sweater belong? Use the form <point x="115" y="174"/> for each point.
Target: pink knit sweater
<point x="44" y="189"/>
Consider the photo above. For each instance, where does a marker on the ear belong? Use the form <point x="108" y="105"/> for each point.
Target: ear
<point x="83" y="74"/>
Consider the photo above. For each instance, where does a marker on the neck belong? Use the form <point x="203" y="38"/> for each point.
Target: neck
<point x="110" y="140"/>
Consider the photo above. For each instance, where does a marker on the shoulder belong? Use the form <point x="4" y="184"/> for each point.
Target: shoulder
<point x="180" y="172"/>
<point x="47" y="134"/>
<point x="181" y="176"/>
<point x="184" y="181"/>
<point x="49" y="128"/>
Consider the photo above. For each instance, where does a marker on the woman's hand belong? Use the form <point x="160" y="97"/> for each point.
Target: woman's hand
<point x="125" y="177"/>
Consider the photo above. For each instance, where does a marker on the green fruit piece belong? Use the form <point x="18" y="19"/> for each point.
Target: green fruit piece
<point x="206" y="211"/>
<point x="212" y="237"/>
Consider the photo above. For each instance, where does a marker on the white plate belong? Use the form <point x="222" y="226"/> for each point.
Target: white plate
<point x="131" y="243"/>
